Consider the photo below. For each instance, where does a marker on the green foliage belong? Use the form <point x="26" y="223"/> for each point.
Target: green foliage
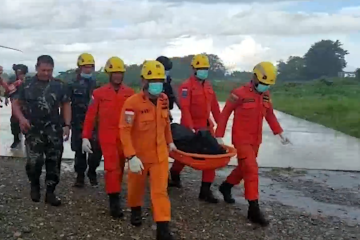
<point x="325" y="58"/>
<point x="292" y="70"/>
<point x="181" y="70"/>
<point x="336" y="106"/>
<point x="357" y="72"/>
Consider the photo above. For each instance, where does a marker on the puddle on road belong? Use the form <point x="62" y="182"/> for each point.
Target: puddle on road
<point x="274" y="191"/>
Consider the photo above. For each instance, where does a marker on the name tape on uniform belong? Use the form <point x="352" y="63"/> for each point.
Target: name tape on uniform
<point x="129" y="116"/>
<point x="184" y="92"/>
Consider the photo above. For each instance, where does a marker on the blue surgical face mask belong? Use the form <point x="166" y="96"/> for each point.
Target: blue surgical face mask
<point x="155" y="88"/>
<point x="262" y="87"/>
<point x="202" y="74"/>
<point x="86" y="75"/>
<point x="167" y="73"/>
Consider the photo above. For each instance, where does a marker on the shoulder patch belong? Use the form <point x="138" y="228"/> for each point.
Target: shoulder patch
<point x="129" y="116"/>
<point x="184" y="92"/>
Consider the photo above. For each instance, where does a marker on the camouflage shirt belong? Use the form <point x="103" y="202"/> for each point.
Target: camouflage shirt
<point x="41" y="100"/>
<point x="80" y="92"/>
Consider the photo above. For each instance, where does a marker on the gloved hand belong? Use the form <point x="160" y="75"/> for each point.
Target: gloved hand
<point x="284" y="139"/>
<point x="86" y="146"/>
<point x="172" y="147"/>
<point x="220" y="141"/>
<point x="135" y="165"/>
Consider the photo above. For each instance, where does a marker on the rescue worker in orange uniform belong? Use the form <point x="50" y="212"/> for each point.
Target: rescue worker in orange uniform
<point x="250" y="103"/>
<point x="146" y="137"/>
<point x="107" y="103"/>
<point x="197" y="101"/>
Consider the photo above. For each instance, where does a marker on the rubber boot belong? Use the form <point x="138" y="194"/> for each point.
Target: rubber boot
<point x="163" y="232"/>
<point x="136" y="216"/>
<point x="16" y="141"/>
<point x="206" y="194"/>
<point x="35" y="191"/>
<point x="225" y="189"/>
<point x="115" y="206"/>
<point x="51" y="198"/>
<point x="92" y="178"/>
<point x="80" y="180"/>
<point x="174" y="180"/>
<point x="255" y="215"/>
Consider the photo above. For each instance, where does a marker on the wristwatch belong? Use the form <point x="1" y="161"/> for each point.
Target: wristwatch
<point x="129" y="158"/>
<point x="67" y="125"/>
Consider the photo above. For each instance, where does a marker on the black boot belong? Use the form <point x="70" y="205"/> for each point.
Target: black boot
<point x="80" y="180"/>
<point x="35" y="191"/>
<point x="93" y="178"/>
<point x="174" y="180"/>
<point x="16" y="141"/>
<point x="225" y="189"/>
<point x="206" y="193"/>
<point x="136" y="216"/>
<point x="115" y="206"/>
<point x="163" y="232"/>
<point x="255" y="215"/>
<point x="51" y="197"/>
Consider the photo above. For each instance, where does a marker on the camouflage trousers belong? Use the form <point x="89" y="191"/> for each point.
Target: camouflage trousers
<point x="44" y="147"/>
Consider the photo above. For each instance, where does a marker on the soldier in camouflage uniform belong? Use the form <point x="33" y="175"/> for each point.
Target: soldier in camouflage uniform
<point x="36" y="104"/>
<point x="81" y="90"/>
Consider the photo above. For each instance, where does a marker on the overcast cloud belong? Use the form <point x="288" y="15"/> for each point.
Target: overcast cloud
<point x="241" y="32"/>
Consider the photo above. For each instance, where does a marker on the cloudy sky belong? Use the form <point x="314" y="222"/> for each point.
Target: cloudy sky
<point x="241" y="32"/>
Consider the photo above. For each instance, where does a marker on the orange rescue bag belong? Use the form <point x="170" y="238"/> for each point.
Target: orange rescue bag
<point x="204" y="161"/>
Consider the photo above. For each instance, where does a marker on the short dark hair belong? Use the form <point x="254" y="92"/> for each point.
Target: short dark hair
<point x="47" y="59"/>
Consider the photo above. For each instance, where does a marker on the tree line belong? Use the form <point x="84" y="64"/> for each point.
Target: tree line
<point x="324" y="59"/>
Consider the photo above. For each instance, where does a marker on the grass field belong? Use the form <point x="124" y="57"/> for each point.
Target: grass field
<point x="336" y="105"/>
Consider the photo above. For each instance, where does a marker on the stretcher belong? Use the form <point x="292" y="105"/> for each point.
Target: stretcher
<point x="203" y="161"/>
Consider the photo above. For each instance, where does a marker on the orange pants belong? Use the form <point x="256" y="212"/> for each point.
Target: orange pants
<point x="114" y="162"/>
<point x="207" y="176"/>
<point x="158" y="189"/>
<point x="247" y="169"/>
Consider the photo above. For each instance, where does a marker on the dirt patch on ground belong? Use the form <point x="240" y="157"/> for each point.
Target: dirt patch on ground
<point x="84" y="215"/>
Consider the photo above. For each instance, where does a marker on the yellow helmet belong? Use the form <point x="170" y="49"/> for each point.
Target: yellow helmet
<point x="266" y="73"/>
<point x="200" y="61"/>
<point x="153" y="70"/>
<point x="85" y="59"/>
<point x="115" y="64"/>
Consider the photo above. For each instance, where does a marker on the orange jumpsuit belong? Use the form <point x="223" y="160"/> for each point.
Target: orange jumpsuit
<point x="145" y="132"/>
<point x="250" y="107"/>
<point x="197" y="101"/>
<point x="107" y="105"/>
